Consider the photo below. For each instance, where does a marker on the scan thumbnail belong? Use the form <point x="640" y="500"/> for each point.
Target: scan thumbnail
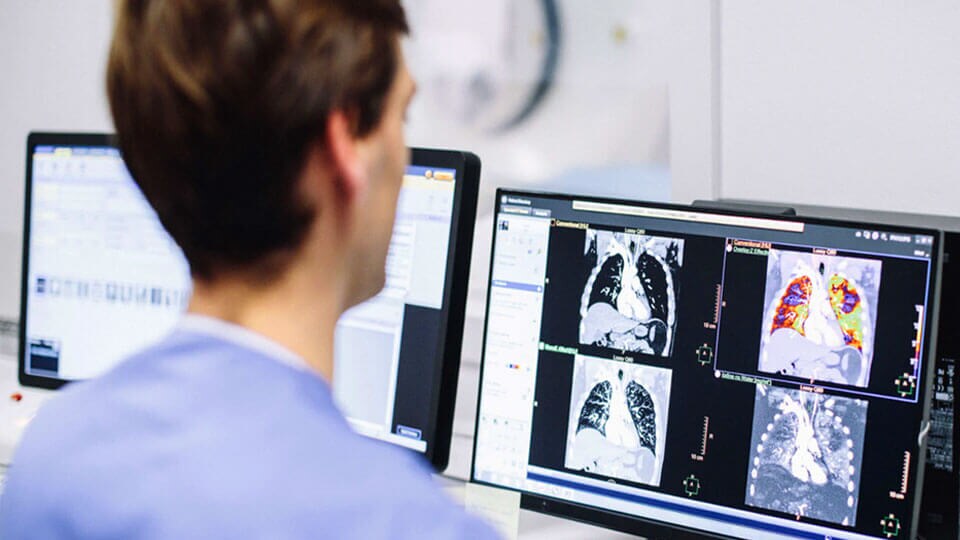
<point x="618" y="419"/>
<point x="629" y="301"/>
<point x="805" y="456"/>
<point x="820" y="317"/>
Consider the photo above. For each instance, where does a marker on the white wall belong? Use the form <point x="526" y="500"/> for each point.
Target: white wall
<point x="52" y="56"/>
<point x="694" y="108"/>
<point x="853" y="103"/>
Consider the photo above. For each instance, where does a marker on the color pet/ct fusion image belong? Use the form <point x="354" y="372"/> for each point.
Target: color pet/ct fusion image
<point x="805" y="456"/>
<point x="618" y="419"/>
<point x="629" y="301"/>
<point x="819" y="317"/>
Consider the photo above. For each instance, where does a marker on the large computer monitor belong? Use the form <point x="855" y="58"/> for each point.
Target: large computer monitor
<point x="671" y="371"/>
<point x="102" y="279"/>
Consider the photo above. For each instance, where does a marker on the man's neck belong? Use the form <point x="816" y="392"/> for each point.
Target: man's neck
<point x="298" y="311"/>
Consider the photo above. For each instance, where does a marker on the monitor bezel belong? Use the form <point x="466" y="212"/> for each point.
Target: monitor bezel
<point x="463" y="218"/>
<point x="657" y="529"/>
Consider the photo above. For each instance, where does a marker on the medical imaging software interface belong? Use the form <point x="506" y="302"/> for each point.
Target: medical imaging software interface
<point x="748" y="376"/>
<point x="105" y="280"/>
<point x="388" y="348"/>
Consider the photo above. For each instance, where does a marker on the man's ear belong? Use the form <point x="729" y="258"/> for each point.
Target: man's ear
<point x="349" y="174"/>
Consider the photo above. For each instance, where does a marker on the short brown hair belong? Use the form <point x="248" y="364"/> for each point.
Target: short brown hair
<point x="216" y="103"/>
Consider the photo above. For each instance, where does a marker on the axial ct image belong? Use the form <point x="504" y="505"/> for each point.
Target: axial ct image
<point x="819" y="317"/>
<point x="618" y="419"/>
<point x="629" y="301"/>
<point x="805" y="456"/>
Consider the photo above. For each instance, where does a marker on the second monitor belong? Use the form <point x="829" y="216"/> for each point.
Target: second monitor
<point x="102" y="279"/>
<point x="398" y="354"/>
<point x="662" y="369"/>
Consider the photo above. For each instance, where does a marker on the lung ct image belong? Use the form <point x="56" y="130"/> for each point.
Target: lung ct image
<point x="820" y="312"/>
<point x="618" y="419"/>
<point x="806" y="452"/>
<point x="629" y="301"/>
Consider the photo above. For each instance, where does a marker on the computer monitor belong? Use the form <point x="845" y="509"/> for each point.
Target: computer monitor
<point x="102" y="279"/>
<point x="671" y="371"/>
<point x="398" y="354"/>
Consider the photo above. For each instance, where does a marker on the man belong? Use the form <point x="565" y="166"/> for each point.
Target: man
<point x="268" y="136"/>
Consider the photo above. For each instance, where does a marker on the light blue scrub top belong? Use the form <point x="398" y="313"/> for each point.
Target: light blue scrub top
<point x="216" y="432"/>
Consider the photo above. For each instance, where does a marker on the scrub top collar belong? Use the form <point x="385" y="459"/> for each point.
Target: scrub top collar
<point x="242" y="336"/>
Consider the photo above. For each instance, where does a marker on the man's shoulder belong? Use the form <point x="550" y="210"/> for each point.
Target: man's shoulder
<point x="391" y="493"/>
<point x="178" y="404"/>
<point x="162" y="385"/>
<point x="409" y="515"/>
<point x="266" y="444"/>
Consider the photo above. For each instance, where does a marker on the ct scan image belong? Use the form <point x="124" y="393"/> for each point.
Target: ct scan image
<point x="805" y="456"/>
<point x="618" y="419"/>
<point x="629" y="301"/>
<point x="820" y="314"/>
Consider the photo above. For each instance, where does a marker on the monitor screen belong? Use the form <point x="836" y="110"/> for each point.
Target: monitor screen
<point x="661" y="368"/>
<point x="388" y="348"/>
<point x="102" y="279"/>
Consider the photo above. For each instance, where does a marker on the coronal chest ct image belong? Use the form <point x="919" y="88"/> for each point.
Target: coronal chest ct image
<point x="806" y="451"/>
<point x="820" y="315"/>
<point x="618" y="419"/>
<point x="629" y="301"/>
